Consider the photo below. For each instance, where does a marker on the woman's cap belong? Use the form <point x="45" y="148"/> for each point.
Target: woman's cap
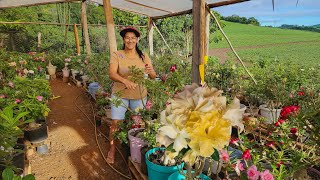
<point x="129" y="29"/>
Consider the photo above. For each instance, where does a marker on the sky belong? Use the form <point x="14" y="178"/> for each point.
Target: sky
<point x="307" y="12"/>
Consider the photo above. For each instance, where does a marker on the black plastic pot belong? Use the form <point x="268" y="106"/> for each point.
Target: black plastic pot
<point x="37" y="134"/>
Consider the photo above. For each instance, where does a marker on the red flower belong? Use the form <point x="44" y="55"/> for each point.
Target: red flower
<point x="38" y="67"/>
<point x="246" y="154"/>
<point x="277" y="124"/>
<point x="293" y="130"/>
<point x="271" y="144"/>
<point x="281" y="121"/>
<point x="163" y="79"/>
<point x="301" y="93"/>
<point x="173" y="68"/>
<point x="288" y="110"/>
<point x="279" y="164"/>
<point x="234" y="141"/>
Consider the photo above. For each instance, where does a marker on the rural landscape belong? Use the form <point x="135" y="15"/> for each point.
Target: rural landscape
<point x="259" y="120"/>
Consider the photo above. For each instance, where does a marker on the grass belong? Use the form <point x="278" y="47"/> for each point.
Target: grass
<point x="249" y="35"/>
<point x="303" y="54"/>
<point x="295" y="46"/>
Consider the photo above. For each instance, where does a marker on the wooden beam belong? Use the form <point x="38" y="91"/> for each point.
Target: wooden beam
<point x="63" y="24"/>
<point x="189" y="11"/>
<point x="198" y="38"/>
<point x="85" y="27"/>
<point x="110" y="26"/>
<point x="207" y="35"/>
<point x="150" y="36"/>
<point x="76" y="38"/>
<point x="146" y="6"/>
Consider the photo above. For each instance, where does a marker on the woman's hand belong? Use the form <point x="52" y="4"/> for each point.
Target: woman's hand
<point x="129" y="84"/>
<point x="149" y="69"/>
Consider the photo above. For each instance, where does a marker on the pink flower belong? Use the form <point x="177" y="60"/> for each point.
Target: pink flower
<point x="17" y="101"/>
<point x="253" y="173"/>
<point x="266" y="175"/>
<point x="32" y="53"/>
<point x="238" y="167"/>
<point x="173" y="68"/>
<point x="224" y="156"/>
<point x="3" y="96"/>
<point x="137" y="119"/>
<point x="246" y="154"/>
<point x="293" y="130"/>
<point x="39" y="98"/>
<point x="149" y="105"/>
<point x="10" y="84"/>
<point x="167" y="104"/>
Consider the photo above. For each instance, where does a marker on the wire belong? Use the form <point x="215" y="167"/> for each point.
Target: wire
<point x="96" y="137"/>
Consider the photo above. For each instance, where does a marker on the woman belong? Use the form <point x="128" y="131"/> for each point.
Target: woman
<point x="132" y="96"/>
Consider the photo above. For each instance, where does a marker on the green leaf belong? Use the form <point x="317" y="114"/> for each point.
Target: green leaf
<point x="215" y="156"/>
<point x="20" y="116"/>
<point x="7" y="174"/>
<point x="29" y="177"/>
<point x="170" y="148"/>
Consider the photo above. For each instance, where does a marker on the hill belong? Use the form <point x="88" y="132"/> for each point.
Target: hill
<point x="248" y="35"/>
<point x="254" y="43"/>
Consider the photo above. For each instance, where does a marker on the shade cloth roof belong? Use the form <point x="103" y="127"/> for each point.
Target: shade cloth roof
<point x="151" y="8"/>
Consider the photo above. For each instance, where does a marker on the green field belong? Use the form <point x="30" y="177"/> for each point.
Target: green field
<point x="294" y="46"/>
<point x="249" y="35"/>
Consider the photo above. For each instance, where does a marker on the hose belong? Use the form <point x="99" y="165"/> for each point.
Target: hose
<point x="96" y="137"/>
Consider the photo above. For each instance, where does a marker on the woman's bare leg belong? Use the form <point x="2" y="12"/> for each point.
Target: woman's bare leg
<point x="113" y="129"/>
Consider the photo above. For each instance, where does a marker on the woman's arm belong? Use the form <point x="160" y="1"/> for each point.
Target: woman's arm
<point x="113" y="74"/>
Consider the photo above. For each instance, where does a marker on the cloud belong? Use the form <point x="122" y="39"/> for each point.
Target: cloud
<point x="285" y="10"/>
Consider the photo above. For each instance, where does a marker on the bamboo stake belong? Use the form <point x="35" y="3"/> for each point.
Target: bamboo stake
<point x="162" y="37"/>
<point x="76" y="38"/>
<point x="245" y="68"/>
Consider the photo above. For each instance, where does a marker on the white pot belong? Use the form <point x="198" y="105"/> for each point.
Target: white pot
<point x="51" y="70"/>
<point x="66" y="72"/>
<point x="272" y="115"/>
<point x="243" y="108"/>
<point x="74" y="73"/>
<point x="84" y="78"/>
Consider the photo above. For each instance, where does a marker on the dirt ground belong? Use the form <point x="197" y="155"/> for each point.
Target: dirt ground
<point x="73" y="151"/>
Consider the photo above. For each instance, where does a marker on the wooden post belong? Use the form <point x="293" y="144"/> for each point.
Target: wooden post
<point x="76" y="37"/>
<point x="39" y="41"/>
<point x="207" y="31"/>
<point x="198" y="12"/>
<point x="110" y="26"/>
<point x="150" y="35"/>
<point x="85" y="27"/>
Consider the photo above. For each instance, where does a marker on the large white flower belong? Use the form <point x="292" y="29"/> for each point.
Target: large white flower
<point x="234" y="114"/>
<point x="170" y="134"/>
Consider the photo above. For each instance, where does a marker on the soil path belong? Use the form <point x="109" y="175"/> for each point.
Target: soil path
<point x="222" y="53"/>
<point x="73" y="152"/>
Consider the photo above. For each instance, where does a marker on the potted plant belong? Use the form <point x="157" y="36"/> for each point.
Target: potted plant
<point x="196" y="124"/>
<point x="11" y="153"/>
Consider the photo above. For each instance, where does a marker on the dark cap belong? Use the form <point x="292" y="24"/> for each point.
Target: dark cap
<point x="129" y="29"/>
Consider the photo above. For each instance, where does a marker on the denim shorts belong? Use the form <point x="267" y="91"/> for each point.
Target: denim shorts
<point x="118" y="113"/>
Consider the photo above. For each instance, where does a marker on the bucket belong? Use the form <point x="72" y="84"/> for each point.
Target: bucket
<point x="51" y="70"/>
<point x="93" y="88"/>
<point x="158" y="172"/>
<point x="135" y="145"/>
